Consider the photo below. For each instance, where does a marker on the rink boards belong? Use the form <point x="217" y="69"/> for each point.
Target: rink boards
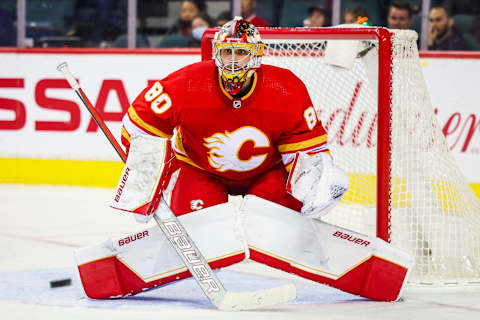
<point x="48" y="138"/>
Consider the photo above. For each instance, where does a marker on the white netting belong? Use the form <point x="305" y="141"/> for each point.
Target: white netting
<point x="434" y="212"/>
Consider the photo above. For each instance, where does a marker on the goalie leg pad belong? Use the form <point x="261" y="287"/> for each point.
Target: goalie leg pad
<point x="353" y="262"/>
<point x="145" y="259"/>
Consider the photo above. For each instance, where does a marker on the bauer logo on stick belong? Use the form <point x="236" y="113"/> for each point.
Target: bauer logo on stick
<point x="189" y="253"/>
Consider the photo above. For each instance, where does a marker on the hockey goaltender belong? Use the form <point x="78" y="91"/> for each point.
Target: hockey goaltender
<point x="233" y="126"/>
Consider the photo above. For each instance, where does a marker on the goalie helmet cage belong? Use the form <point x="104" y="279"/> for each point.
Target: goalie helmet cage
<point x="405" y="186"/>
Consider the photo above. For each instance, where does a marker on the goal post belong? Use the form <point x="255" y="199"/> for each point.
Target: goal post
<point x="405" y="186"/>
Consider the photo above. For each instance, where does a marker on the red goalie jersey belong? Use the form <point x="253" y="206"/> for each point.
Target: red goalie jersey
<point x="233" y="138"/>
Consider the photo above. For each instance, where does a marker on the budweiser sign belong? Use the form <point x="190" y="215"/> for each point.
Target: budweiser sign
<point x="356" y="125"/>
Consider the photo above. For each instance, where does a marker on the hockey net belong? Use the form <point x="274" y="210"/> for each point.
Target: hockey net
<point x="405" y="186"/>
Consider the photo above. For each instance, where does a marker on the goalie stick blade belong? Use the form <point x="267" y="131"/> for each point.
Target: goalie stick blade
<point x="236" y="301"/>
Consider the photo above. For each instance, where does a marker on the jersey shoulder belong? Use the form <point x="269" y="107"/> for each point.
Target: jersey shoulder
<point x="192" y="81"/>
<point x="284" y="80"/>
<point x="281" y="75"/>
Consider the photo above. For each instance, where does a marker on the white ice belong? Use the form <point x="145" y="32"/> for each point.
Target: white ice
<point x="41" y="225"/>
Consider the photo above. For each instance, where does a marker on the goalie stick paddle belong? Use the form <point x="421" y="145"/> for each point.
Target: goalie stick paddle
<point x="183" y="243"/>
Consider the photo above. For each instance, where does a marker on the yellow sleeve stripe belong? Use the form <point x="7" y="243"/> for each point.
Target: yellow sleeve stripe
<point x="289" y="147"/>
<point x="142" y="124"/>
<point x="125" y="134"/>
<point x="179" y="142"/>
<point x="187" y="160"/>
<point x="289" y="166"/>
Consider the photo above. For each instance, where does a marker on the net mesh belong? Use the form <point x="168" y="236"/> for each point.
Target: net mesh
<point x="433" y="211"/>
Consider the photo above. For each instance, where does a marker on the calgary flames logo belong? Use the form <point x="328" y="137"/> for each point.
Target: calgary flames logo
<point x="196" y="204"/>
<point x="224" y="149"/>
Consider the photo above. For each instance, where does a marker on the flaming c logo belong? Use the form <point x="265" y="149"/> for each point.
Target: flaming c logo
<point x="224" y="148"/>
<point x="196" y="204"/>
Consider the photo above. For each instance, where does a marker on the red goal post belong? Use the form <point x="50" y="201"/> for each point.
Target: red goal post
<point x="405" y="186"/>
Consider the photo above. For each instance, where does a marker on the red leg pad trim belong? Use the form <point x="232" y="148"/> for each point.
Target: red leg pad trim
<point x="110" y="278"/>
<point x="374" y="278"/>
<point x="100" y="279"/>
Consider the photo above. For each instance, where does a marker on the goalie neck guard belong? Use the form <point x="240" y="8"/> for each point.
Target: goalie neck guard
<point x="237" y="51"/>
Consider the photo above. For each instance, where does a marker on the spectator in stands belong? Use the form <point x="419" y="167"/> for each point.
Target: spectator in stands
<point x="400" y="15"/>
<point x="248" y="13"/>
<point x="7" y="29"/>
<point x="441" y="33"/>
<point x="103" y="31"/>
<point x="180" y="34"/>
<point x="188" y="10"/>
<point x="461" y="6"/>
<point x="223" y="18"/>
<point x="99" y="23"/>
<point x="351" y="14"/>
<point x="319" y="17"/>
<point x="199" y="24"/>
<point x="476" y="31"/>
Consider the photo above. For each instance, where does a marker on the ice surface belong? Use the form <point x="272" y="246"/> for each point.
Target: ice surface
<point x="41" y="225"/>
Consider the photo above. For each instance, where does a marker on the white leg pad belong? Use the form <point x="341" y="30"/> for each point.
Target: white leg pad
<point x="145" y="259"/>
<point x="271" y="234"/>
<point x="353" y="262"/>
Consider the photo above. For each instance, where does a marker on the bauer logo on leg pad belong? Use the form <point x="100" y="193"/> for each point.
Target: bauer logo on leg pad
<point x="129" y="239"/>
<point x="349" y="237"/>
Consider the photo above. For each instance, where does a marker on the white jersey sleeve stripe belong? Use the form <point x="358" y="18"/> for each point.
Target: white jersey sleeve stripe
<point x="131" y="127"/>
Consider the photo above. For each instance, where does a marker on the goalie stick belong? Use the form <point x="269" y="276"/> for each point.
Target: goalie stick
<point x="183" y="243"/>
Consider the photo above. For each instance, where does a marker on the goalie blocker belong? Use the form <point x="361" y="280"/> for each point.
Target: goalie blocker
<point x="260" y="230"/>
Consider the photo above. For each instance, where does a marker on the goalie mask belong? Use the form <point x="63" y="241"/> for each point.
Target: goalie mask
<point x="237" y="51"/>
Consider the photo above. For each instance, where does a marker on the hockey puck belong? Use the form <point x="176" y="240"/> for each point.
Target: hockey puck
<point x="60" y="283"/>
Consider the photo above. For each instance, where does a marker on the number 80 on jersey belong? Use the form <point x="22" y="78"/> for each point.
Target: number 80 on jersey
<point x="159" y="101"/>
